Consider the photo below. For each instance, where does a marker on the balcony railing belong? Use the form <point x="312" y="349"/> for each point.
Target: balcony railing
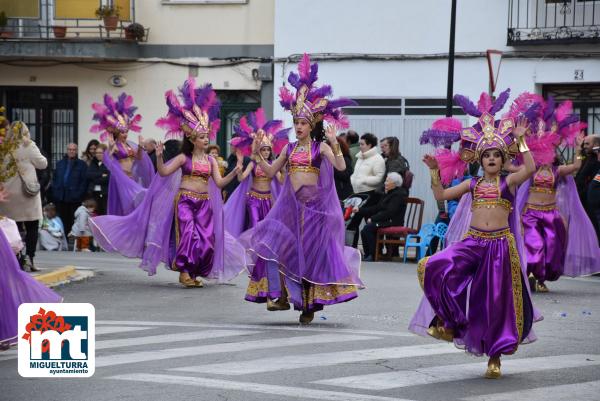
<point x="533" y="22"/>
<point x="25" y="30"/>
<point x="53" y="20"/>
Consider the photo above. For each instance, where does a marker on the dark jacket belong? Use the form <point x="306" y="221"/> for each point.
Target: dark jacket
<point x="398" y="165"/>
<point x="343" y="186"/>
<point x="231" y="163"/>
<point x="152" y="156"/>
<point x="585" y="175"/>
<point x="97" y="174"/>
<point x="75" y="187"/>
<point x="390" y="210"/>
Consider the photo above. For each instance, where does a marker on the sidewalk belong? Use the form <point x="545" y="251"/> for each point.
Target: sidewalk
<point x="55" y="276"/>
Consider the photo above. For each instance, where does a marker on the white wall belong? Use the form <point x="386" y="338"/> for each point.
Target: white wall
<point x="146" y="83"/>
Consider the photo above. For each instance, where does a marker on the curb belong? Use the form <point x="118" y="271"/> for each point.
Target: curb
<point x="57" y="276"/>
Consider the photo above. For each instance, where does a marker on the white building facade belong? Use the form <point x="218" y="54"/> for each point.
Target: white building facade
<point x="392" y="57"/>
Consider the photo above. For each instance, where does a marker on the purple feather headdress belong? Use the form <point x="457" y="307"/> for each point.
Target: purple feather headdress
<point x="115" y="117"/>
<point x="275" y="136"/>
<point x="310" y="101"/>
<point x="563" y="121"/>
<point x="197" y="113"/>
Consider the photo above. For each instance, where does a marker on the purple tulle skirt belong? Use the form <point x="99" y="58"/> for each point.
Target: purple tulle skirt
<point x="546" y="242"/>
<point x="265" y="278"/>
<point x="194" y="234"/>
<point x="477" y="289"/>
<point x="16" y="287"/>
<point x="304" y="235"/>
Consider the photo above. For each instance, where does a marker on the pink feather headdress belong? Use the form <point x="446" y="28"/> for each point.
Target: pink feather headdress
<point x="275" y="136"/>
<point x="197" y="113"/>
<point x="311" y="102"/>
<point x="115" y="117"/>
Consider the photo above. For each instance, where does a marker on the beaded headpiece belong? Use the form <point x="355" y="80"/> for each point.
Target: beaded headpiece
<point x="274" y="135"/>
<point x="198" y="114"/>
<point x="115" y="117"/>
<point x="488" y="133"/>
<point x="312" y="102"/>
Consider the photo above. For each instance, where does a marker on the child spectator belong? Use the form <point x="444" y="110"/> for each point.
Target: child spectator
<point x="81" y="228"/>
<point x="52" y="231"/>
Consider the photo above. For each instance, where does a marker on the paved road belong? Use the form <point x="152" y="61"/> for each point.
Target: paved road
<point x="157" y="341"/>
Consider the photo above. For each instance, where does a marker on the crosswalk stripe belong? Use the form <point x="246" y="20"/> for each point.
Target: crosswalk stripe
<point x="155" y="355"/>
<point x="167" y="338"/>
<point x="586" y="391"/>
<point x="8" y="355"/>
<point x="448" y="373"/>
<point x="118" y="329"/>
<point x="283" y="391"/>
<point x="323" y="359"/>
<point x="283" y="327"/>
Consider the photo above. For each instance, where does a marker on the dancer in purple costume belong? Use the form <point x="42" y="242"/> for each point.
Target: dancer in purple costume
<point x="130" y="167"/>
<point x="560" y="236"/>
<point x="16" y="287"/>
<point x="304" y="231"/>
<point x="475" y="290"/>
<point x="253" y="198"/>
<point x="186" y="188"/>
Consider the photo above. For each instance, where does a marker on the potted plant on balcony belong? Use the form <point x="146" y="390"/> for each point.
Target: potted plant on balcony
<point x="135" y="31"/>
<point x="110" y="15"/>
<point x="60" y="31"/>
<point x="4" y="33"/>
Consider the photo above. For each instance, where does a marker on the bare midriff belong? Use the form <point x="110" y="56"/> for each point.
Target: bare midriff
<point x="489" y="219"/>
<point x="127" y="165"/>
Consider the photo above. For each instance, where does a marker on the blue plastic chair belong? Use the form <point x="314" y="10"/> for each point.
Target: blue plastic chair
<point x="440" y="231"/>
<point x="420" y="241"/>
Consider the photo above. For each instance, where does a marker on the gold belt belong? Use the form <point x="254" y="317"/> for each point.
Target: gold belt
<point x="258" y="195"/>
<point x="195" y="178"/>
<point x="488" y="234"/>
<point x="491" y="204"/>
<point x="543" y="208"/>
<point x="304" y="169"/>
<point x="542" y="190"/>
<point x="194" y="195"/>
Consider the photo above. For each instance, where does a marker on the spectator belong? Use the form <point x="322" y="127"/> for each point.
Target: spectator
<point x="69" y="185"/>
<point x="98" y="177"/>
<point x="343" y="186"/>
<point x="592" y="203"/>
<point x="353" y="146"/>
<point x="81" y="226"/>
<point x="150" y="148"/>
<point x="44" y="177"/>
<point x="394" y="161"/>
<point x="90" y="151"/>
<point x="214" y="151"/>
<point x="172" y="149"/>
<point x="52" y="231"/>
<point x="587" y="172"/>
<point x="18" y="167"/>
<point x="370" y="166"/>
<point x="231" y="163"/>
<point x="388" y="212"/>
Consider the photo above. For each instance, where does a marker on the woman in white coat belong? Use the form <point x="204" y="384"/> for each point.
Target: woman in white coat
<point x="367" y="177"/>
<point x="19" y="158"/>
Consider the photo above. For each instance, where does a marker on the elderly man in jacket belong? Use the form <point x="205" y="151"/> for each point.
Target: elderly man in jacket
<point x="389" y="211"/>
<point x="69" y="185"/>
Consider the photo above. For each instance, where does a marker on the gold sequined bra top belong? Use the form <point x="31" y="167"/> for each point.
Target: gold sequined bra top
<point x="196" y="170"/>
<point x="302" y="160"/>
<point x="259" y="174"/>
<point x="544" y="183"/>
<point x="491" y="194"/>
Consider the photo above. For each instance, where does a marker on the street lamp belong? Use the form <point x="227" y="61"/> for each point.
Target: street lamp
<point x="450" y="90"/>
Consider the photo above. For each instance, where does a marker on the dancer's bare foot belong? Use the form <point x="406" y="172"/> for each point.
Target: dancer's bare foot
<point x="186" y="280"/>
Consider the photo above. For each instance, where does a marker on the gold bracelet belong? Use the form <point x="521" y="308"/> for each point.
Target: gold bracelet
<point x="522" y="144"/>
<point x="337" y="150"/>
<point x="435" y="177"/>
<point x="579" y="157"/>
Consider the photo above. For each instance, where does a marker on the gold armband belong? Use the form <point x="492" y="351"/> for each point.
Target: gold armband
<point x="435" y="177"/>
<point x="522" y="144"/>
<point x="337" y="150"/>
<point x="579" y="157"/>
